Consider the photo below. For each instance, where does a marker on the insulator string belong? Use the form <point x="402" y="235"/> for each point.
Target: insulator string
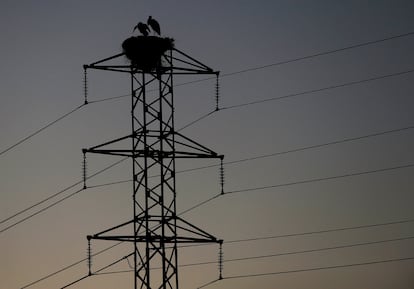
<point x="221" y="261"/>
<point x="222" y="176"/>
<point x="84" y="169"/>
<point x="89" y="256"/>
<point x="85" y="84"/>
<point x="217" y="92"/>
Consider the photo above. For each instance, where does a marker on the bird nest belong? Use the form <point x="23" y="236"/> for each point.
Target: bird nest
<point x="145" y="52"/>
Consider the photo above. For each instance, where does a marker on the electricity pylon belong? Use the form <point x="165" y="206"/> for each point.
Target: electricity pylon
<point x="154" y="146"/>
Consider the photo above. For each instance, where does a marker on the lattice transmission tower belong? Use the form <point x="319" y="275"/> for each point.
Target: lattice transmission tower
<point x="153" y="146"/>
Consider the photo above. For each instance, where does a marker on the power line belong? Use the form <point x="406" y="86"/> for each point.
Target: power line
<point x="332" y="230"/>
<point x="302" y="251"/>
<point x="41" y="210"/>
<point x="319" y="89"/>
<point x="69" y="266"/>
<point x="358" y="45"/>
<point x="344" y="140"/>
<point x="197" y="120"/>
<point x="320" y="249"/>
<point x="200" y="204"/>
<point x="53" y="196"/>
<point x="41" y="129"/>
<point x="40" y="202"/>
<point x="306" y="92"/>
<point x="319" y="268"/>
<point x="406" y="221"/>
<point x="314" y="180"/>
<point x="322" y="179"/>
<point x="95" y="273"/>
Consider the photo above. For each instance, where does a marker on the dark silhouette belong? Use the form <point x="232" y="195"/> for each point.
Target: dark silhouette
<point x="145" y="52"/>
<point x="143" y="28"/>
<point x="155" y="26"/>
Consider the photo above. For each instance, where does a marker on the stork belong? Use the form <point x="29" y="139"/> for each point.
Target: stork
<point x="143" y="28"/>
<point x="155" y="26"/>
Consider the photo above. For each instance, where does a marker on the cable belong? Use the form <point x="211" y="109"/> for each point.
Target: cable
<point x="69" y="266"/>
<point x="95" y="273"/>
<point x="319" y="268"/>
<point x="319" y="89"/>
<point x="322" y="179"/>
<point x="346" y="84"/>
<point x="197" y="120"/>
<point x="344" y="140"/>
<point x="40" y="211"/>
<point x="76" y="281"/>
<point x="300" y="182"/>
<point x="40" y="130"/>
<point x="314" y="55"/>
<point x="200" y="204"/>
<point x="40" y="202"/>
<point x="302" y="251"/>
<point x="324" y="231"/>
<point x="54" y="195"/>
<point x="208" y="284"/>
<point x="319" y="249"/>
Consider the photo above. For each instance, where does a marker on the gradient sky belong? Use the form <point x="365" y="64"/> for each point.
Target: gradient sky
<point x="44" y="45"/>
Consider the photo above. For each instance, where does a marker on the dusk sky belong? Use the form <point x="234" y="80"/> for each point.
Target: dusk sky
<point x="316" y="126"/>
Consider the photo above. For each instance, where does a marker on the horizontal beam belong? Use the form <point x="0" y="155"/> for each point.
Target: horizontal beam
<point x="156" y="154"/>
<point x="166" y="240"/>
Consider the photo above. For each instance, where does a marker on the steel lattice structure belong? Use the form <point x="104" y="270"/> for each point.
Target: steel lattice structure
<point x="154" y="146"/>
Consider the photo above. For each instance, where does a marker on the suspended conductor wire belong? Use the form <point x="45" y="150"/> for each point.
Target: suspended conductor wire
<point x="319" y="268"/>
<point x="69" y="266"/>
<point x="53" y="196"/>
<point x="41" y="129"/>
<point x="345" y="84"/>
<point x="197" y="120"/>
<point x="98" y="271"/>
<point x="208" y="284"/>
<point x="41" y="210"/>
<point x="314" y="180"/>
<point x="302" y="93"/>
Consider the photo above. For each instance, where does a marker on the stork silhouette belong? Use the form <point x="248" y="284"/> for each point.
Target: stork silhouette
<point x="143" y="28"/>
<point x="155" y="26"/>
